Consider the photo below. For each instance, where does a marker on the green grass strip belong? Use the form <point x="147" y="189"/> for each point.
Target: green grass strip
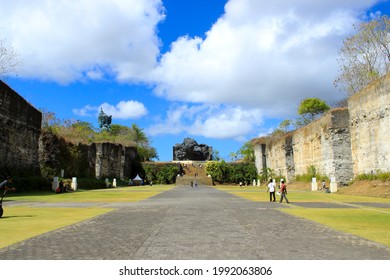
<point x="372" y="224"/>
<point x="125" y="194"/>
<point x="20" y="223"/>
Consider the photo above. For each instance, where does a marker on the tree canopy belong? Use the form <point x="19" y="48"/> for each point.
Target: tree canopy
<point x="365" y="55"/>
<point x="312" y="107"/>
<point x="79" y="131"/>
<point x="9" y="58"/>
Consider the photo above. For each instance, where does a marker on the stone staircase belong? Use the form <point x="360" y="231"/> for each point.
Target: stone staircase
<point x="194" y="171"/>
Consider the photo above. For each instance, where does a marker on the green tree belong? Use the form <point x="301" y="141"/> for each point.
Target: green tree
<point x="266" y="174"/>
<point x="9" y="58"/>
<point x="312" y="107"/>
<point x="145" y="151"/>
<point x="247" y="153"/>
<point x="215" y="155"/>
<point x="364" y="56"/>
<point x="285" y="125"/>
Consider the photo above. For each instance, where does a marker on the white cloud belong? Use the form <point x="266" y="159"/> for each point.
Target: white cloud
<point x="212" y="121"/>
<point x="123" y="110"/>
<point x="261" y="54"/>
<point x="68" y="40"/>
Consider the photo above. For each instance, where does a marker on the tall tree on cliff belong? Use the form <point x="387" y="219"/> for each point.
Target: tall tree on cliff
<point x="309" y="108"/>
<point x="145" y="151"/>
<point x="9" y="58"/>
<point x="365" y="56"/>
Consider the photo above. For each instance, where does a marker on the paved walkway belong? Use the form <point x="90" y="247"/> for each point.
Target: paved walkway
<point x="203" y="223"/>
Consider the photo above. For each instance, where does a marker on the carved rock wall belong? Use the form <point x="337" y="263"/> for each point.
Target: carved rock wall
<point x="97" y="160"/>
<point x="370" y="127"/>
<point x="20" y="125"/>
<point x="325" y="144"/>
<point x="343" y="143"/>
<point x="191" y="150"/>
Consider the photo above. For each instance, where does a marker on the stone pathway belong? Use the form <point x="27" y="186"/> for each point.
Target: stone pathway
<point x="203" y="223"/>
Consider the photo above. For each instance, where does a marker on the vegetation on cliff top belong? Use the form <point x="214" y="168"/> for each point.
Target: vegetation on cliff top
<point x="83" y="132"/>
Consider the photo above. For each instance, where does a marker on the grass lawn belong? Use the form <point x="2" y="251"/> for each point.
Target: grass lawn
<point x="369" y="222"/>
<point x="20" y="223"/>
<point x="124" y="194"/>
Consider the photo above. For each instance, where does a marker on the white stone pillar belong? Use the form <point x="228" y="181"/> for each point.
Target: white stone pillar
<point x="114" y="183"/>
<point x="254" y="183"/>
<point x="314" y="185"/>
<point x="258" y="182"/>
<point x="55" y="184"/>
<point x="333" y="185"/>
<point x="73" y="185"/>
<point x="62" y="173"/>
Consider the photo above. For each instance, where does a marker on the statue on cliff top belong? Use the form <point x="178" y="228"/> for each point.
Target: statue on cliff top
<point x="104" y="121"/>
<point x="191" y="150"/>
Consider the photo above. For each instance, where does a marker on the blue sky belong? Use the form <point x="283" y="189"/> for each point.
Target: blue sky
<point x="220" y="71"/>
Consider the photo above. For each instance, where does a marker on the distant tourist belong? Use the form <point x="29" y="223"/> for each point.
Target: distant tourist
<point x="4" y="185"/>
<point x="271" y="190"/>
<point x="283" y="192"/>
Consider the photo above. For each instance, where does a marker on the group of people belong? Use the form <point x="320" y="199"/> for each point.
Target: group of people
<point x="283" y="191"/>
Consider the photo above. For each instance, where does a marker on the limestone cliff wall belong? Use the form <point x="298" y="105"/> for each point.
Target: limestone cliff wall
<point x="20" y="125"/>
<point x="370" y="125"/>
<point x="343" y="143"/>
<point x="96" y="160"/>
<point x="324" y="143"/>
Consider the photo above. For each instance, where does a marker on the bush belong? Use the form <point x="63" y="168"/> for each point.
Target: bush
<point x="311" y="172"/>
<point x="31" y="183"/>
<point x="379" y="175"/>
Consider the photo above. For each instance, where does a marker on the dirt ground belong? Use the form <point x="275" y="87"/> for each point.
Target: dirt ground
<point x="364" y="188"/>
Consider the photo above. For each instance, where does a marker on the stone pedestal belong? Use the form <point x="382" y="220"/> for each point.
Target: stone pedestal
<point x="55" y="184"/>
<point x="114" y="183"/>
<point x="333" y="185"/>
<point x="314" y="185"/>
<point x="74" y="183"/>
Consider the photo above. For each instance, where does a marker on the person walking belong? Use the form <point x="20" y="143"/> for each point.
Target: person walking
<point x="283" y="192"/>
<point x="4" y="185"/>
<point x="271" y="190"/>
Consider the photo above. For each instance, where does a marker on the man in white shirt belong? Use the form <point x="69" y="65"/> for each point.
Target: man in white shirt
<point x="271" y="190"/>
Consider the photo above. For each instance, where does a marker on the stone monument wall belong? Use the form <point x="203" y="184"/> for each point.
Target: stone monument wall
<point x="342" y="144"/>
<point x="370" y="126"/>
<point x="20" y="126"/>
<point x="97" y="160"/>
<point x="324" y="143"/>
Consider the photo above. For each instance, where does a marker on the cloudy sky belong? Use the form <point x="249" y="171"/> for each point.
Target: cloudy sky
<point x="220" y="71"/>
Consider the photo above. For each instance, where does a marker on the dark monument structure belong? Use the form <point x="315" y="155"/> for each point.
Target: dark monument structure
<point x="191" y="150"/>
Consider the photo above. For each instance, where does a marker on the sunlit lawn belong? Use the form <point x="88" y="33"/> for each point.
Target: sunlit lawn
<point x="123" y="194"/>
<point x="365" y="221"/>
<point x="371" y="224"/>
<point x="19" y="223"/>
